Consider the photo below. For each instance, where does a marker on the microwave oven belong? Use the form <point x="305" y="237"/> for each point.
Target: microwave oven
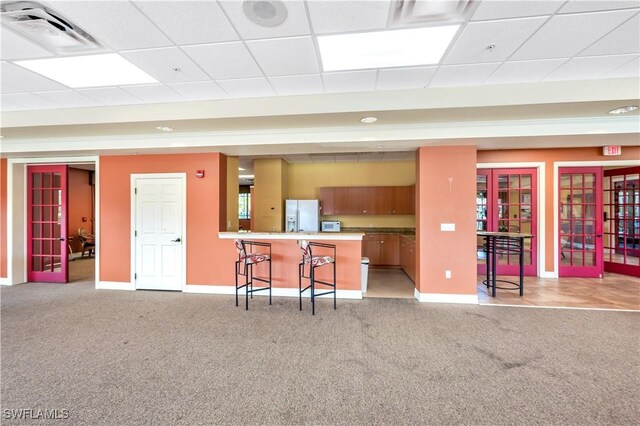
<point x="331" y="226"/>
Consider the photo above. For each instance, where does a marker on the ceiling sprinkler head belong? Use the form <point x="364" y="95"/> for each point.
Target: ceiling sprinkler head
<point x="265" y="13"/>
<point x="491" y="47"/>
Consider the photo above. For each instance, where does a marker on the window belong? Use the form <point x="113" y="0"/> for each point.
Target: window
<point x="244" y="206"/>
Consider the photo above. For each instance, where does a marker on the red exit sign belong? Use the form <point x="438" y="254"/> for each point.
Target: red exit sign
<point x="612" y="150"/>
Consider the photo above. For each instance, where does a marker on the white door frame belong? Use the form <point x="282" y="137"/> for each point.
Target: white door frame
<point x="183" y="178"/>
<point x="556" y="195"/>
<point x="17" y="212"/>
<point x="540" y="235"/>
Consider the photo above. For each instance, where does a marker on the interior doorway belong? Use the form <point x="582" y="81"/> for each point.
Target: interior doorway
<point x="19" y="224"/>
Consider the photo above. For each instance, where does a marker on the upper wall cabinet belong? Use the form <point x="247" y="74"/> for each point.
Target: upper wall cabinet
<point x="368" y="200"/>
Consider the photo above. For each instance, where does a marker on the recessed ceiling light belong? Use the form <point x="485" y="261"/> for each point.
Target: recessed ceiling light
<point x="381" y="49"/>
<point x="368" y="120"/>
<point x="165" y="128"/>
<point x="624" y="109"/>
<point x="110" y="69"/>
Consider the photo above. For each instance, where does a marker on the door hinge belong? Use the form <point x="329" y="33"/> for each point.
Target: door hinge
<point x="135" y="275"/>
<point x="135" y="190"/>
<point x="135" y="233"/>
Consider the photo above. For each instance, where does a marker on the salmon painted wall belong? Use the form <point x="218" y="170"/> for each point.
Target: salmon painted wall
<point x="80" y="204"/>
<point x="3" y="218"/>
<point x="445" y="193"/>
<point x="209" y="259"/>
<point x="549" y="156"/>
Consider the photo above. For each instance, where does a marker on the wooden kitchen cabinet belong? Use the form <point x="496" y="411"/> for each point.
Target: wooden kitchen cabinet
<point x="381" y="249"/>
<point x="371" y="248"/>
<point x="408" y="257"/>
<point x="368" y="200"/>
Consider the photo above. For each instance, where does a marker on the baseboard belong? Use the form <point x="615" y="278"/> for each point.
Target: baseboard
<point x="275" y="292"/>
<point x="4" y="281"/>
<point x="114" y="285"/>
<point x="468" y="299"/>
<point x="548" y="274"/>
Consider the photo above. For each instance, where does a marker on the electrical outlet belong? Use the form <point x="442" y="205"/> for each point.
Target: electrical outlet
<point x="447" y="274"/>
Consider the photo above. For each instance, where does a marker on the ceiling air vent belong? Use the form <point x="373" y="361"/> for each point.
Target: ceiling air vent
<point x="47" y="28"/>
<point x="408" y="12"/>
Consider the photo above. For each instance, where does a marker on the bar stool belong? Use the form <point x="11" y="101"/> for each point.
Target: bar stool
<point x="307" y="269"/>
<point x="247" y="259"/>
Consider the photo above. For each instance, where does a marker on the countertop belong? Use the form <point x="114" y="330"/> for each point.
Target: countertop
<point x="401" y="231"/>
<point x="317" y="236"/>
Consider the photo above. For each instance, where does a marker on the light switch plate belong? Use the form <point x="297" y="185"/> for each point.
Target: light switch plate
<point x="448" y="227"/>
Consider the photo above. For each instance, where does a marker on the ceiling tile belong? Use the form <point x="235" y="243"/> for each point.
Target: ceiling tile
<point x="214" y="59"/>
<point x="297" y="84"/>
<point x="514" y="9"/>
<point x="116" y="23"/>
<point x="69" y="98"/>
<point x="160" y="64"/>
<point x="350" y="81"/>
<point x="153" y="93"/>
<point x="29" y="101"/>
<point x="110" y="95"/>
<point x="5" y="105"/>
<point x="346" y="158"/>
<point x="15" y="47"/>
<point x="524" y="71"/>
<point x="15" y="78"/>
<point x="506" y="36"/>
<point x="370" y="156"/>
<point x="247" y="87"/>
<point x="285" y="56"/>
<point x="588" y="67"/>
<point x="203" y="90"/>
<point x="462" y="75"/>
<point x="630" y="69"/>
<point x="624" y="39"/>
<point x="296" y="23"/>
<point x="189" y="22"/>
<point x="567" y="35"/>
<point x="404" y="78"/>
<point x="347" y="16"/>
<point x="574" y="6"/>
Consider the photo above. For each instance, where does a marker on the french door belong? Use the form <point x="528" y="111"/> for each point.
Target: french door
<point x="580" y="222"/>
<point x="622" y="221"/>
<point x="47" y="255"/>
<point x="506" y="201"/>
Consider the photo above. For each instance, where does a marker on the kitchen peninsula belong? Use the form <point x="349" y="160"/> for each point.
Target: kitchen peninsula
<point x="286" y="255"/>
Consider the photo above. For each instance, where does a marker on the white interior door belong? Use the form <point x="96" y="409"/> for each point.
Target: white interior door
<point x="159" y="232"/>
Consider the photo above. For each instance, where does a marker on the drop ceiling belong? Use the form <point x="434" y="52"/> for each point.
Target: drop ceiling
<point x="220" y="73"/>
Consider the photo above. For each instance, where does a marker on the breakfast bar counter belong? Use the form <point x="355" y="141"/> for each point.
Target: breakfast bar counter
<point x="286" y="256"/>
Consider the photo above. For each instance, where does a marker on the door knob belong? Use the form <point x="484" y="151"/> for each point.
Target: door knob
<point x="177" y="240"/>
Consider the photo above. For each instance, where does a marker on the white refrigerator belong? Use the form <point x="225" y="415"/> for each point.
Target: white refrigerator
<point x="302" y="215"/>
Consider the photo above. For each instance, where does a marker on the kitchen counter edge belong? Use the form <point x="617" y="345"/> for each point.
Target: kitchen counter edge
<point x="335" y="236"/>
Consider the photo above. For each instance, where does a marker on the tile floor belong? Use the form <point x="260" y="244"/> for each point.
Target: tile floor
<point x="389" y="284"/>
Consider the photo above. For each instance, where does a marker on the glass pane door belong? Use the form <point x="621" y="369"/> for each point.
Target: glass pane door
<point x="47" y="224"/>
<point x="580" y="245"/>
<point x="622" y="221"/>
<point x="506" y="202"/>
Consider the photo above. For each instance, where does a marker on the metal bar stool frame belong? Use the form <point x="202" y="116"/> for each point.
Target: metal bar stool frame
<point x="244" y="267"/>
<point x="316" y="261"/>
<point x="499" y="246"/>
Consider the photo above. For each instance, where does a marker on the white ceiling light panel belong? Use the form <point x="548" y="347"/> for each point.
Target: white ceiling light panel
<point x="383" y="49"/>
<point x="89" y="71"/>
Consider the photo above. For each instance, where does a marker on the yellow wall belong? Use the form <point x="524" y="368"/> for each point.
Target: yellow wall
<point x="304" y="181"/>
<point x="269" y="194"/>
<point x="232" y="193"/>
